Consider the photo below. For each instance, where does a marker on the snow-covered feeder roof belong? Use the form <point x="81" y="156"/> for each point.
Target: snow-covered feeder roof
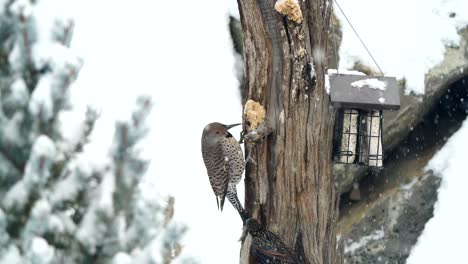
<point x="364" y="92"/>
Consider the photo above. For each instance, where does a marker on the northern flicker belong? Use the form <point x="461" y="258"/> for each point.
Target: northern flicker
<point x="267" y="247"/>
<point x="224" y="161"/>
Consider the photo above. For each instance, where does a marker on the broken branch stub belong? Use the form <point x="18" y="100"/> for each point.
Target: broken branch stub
<point x="289" y="8"/>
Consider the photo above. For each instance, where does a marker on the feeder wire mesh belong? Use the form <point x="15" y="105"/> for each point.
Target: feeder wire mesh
<point x="358" y="137"/>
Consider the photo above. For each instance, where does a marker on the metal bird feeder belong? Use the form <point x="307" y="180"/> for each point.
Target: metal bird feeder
<point x="358" y="126"/>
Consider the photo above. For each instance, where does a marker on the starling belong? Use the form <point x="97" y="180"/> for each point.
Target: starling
<point x="267" y="247"/>
<point x="224" y="161"/>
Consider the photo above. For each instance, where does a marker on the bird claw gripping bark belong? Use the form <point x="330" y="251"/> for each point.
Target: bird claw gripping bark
<point x="257" y="134"/>
<point x="242" y="135"/>
<point x="250" y="159"/>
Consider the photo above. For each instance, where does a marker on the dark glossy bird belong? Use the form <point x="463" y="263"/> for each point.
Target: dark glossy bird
<point x="224" y="161"/>
<point x="267" y="248"/>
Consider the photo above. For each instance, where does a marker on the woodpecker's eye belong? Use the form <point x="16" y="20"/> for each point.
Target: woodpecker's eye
<point x="217" y="132"/>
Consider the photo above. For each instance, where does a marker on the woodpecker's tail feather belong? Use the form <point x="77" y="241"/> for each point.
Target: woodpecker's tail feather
<point x="234" y="200"/>
<point x="222" y="202"/>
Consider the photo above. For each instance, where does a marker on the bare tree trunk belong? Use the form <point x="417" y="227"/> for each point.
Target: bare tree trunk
<point x="289" y="184"/>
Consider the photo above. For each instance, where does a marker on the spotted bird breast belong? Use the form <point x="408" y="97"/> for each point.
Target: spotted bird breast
<point x="235" y="159"/>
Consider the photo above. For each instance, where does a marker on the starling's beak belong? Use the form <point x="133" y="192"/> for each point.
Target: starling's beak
<point x="230" y="126"/>
<point x="244" y="234"/>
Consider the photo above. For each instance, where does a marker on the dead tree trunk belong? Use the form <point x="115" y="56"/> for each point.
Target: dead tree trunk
<point x="289" y="184"/>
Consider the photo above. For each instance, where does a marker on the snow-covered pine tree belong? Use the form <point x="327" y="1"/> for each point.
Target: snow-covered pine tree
<point x="55" y="205"/>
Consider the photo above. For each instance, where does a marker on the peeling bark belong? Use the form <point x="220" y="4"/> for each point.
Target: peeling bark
<point x="289" y="184"/>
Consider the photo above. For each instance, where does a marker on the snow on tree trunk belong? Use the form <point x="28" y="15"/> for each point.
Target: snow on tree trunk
<point x="56" y="205"/>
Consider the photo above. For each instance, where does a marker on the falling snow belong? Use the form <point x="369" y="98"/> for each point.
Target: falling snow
<point x="409" y="51"/>
<point x="406" y="45"/>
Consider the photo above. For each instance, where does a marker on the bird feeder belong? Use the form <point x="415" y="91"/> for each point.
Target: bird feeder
<point x="358" y="131"/>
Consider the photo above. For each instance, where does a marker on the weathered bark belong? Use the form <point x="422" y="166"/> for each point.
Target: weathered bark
<point x="289" y="186"/>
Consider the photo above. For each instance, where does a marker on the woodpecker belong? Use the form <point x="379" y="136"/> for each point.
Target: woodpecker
<point x="267" y="248"/>
<point x="224" y="161"/>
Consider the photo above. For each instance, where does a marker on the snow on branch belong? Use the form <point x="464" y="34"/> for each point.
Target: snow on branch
<point x="35" y="176"/>
<point x="41" y="68"/>
<point x="129" y="132"/>
<point x="146" y="210"/>
<point x="127" y="164"/>
<point x="4" y="237"/>
<point x="75" y="142"/>
<point x="170" y="248"/>
<point x="99" y="218"/>
<point x="73" y="181"/>
<point x="26" y="34"/>
<point x="40" y="251"/>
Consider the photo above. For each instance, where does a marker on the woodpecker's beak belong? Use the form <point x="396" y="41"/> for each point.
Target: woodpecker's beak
<point x="230" y="126"/>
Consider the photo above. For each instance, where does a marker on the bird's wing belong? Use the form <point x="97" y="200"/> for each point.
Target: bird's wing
<point x="263" y="255"/>
<point x="217" y="173"/>
<point x="227" y="172"/>
<point x="281" y="246"/>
